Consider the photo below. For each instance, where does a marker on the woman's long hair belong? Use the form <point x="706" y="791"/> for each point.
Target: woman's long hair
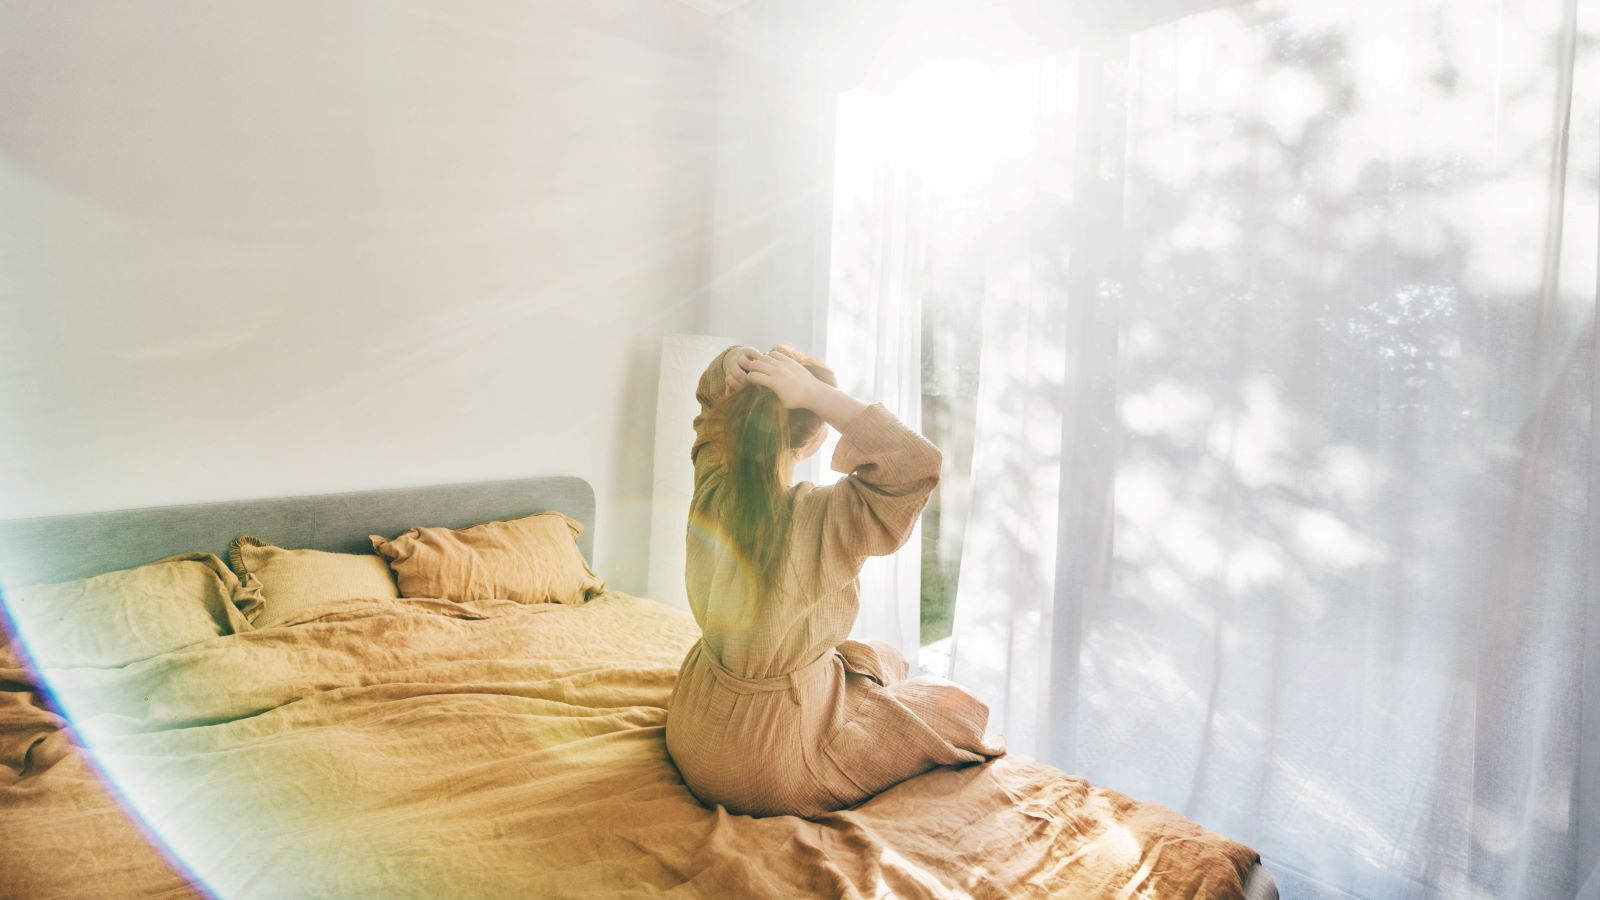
<point x="753" y="507"/>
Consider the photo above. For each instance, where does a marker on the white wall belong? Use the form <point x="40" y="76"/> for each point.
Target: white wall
<point x="773" y="187"/>
<point x="258" y="249"/>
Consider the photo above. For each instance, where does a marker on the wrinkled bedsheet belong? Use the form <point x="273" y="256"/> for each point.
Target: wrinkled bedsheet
<point x="426" y="748"/>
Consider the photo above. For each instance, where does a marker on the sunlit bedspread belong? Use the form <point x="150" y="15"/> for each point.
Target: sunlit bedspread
<point x="427" y="748"/>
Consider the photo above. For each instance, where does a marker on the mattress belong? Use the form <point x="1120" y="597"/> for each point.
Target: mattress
<point x="425" y="748"/>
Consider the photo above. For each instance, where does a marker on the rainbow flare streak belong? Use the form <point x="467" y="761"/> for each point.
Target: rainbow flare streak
<point x="119" y="786"/>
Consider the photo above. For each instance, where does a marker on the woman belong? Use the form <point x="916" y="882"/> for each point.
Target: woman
<point x="775" y="712"/>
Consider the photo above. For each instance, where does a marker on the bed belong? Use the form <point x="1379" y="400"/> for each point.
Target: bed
<point x="429" y="748"/>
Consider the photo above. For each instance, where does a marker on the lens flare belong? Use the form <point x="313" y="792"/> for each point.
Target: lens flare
<point x="707" y="535"/>
<point x="61" y="699"/>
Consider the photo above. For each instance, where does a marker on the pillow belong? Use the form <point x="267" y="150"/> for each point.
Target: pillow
<point x="529" y="560"/>
<point x="296" y="580"/>
<point x="131" y="614"/>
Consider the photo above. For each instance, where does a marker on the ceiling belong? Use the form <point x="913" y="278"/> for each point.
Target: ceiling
<point x="714" y="7"/>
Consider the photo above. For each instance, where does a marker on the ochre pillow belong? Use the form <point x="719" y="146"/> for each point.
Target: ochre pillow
<point x="295" y="580"/>
<point x="529" y="560"/>
<point x="131" y="614"/>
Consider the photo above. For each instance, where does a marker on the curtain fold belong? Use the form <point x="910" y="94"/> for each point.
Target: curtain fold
<point x="1284" y="482"/>
<point x="874" y="332"/>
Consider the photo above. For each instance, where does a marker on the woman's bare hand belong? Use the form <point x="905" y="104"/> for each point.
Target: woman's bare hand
<point x="798" y="355"/>
<point x="735" y="366"/>
<point x="785" y="376"/>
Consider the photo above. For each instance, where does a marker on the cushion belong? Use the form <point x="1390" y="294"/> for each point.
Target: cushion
<point x="295" y="580"/>
<point x="131" y="614"/>
<point x="530" y="560"/>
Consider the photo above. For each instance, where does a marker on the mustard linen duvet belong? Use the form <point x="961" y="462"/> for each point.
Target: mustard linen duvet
<point x="425" y="748"/>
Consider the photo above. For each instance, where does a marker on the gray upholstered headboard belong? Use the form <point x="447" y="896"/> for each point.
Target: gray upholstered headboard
<point x="62" y="548"/>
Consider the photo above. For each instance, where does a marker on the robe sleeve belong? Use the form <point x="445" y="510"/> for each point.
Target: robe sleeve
<point x="707" y="452"/>
<point x="890" y="471"/>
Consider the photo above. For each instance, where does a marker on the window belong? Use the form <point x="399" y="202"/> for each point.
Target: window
<point x="915" y="187"/>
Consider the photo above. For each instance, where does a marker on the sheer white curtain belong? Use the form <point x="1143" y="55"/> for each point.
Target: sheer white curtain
<point x="874" y="332"/>
<point x="1284" y="486"/>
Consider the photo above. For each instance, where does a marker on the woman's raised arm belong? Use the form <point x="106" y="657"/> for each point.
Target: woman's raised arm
<point x="890" y="470"/>
<point x="783" y="371"/>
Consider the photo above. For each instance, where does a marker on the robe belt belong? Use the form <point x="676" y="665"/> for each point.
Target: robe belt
<point x="789" y="681"/>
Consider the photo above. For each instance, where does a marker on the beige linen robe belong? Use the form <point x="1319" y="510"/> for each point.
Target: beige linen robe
<point x="774" y="711"/>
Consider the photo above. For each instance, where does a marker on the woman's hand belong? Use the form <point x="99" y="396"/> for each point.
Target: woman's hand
<point x="795" y="386"/>
<point x="797" y="355"/>
<point x="735" y="365"/>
